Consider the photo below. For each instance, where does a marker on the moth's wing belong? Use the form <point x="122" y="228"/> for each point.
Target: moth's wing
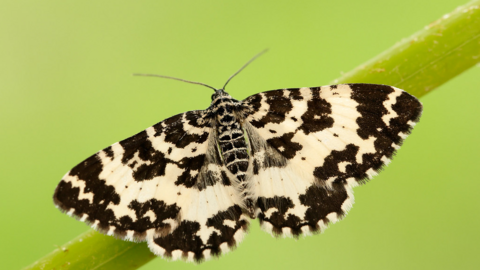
<point x="310" y="146"/>
<point x="165" y="185"/>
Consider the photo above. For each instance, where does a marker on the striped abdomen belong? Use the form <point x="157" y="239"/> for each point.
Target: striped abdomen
<point x="234" y="152"/>
<point x="234" y="149"/>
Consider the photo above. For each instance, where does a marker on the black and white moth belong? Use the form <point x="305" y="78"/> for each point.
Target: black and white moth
<point x="190" y="184"/>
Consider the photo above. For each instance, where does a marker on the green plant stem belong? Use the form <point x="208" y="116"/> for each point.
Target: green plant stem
<point x="419" y="64"/>
<point x="92" y="250"/>
<point x="430" y="57"/>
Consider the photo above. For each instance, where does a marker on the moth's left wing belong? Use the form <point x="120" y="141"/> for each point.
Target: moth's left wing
<point x="310" y="146"/>
<point x="166" y="185"/>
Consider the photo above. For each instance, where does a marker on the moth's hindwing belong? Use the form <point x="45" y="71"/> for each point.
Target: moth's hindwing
<point x="165" y="185"/>
<point x="326" y="140"/>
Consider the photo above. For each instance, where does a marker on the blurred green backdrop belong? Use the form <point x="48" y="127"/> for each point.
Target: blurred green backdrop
<point x="66" y="91"/>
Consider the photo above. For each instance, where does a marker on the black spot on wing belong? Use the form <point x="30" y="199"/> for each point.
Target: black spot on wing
<point x="158" y="128"/>
<point x="330" y="167"/>
<point x="322" y="202"/>
<point x="196" y="119"/>
<point x="109" y="152"/>
<point x="66" y="196"/>
<point x="279" y="106"/>
<point x="161" y="211"/>
<point x="317" y="117"/>
<point x="227" y="233"/>
<point x="278" y="217"/>
<point x="174" y="129"/>
<point x="370" y="98"/>
<point x="137" y="143"/>
<point x="173" y="120"/>
<point x="152" y="162"/>
<point x="253" y="103"/>
<point x="183" y="238"/>
<point x="408" y="109"/>
<point x="295" y="94"/>
<point x="225" y="179"/>
<point x="256" y="166"/>
<point x="165" y="124"/>
<point x="190" y="164"/>
<point x="181" y="138"/>
<point x="89" y="171"/>
<point x="285" y="145"/>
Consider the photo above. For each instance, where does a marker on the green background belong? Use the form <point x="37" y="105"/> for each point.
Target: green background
<point x="66" y="91"/>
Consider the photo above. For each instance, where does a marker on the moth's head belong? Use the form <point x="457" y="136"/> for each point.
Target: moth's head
<point x="219" y="93"/>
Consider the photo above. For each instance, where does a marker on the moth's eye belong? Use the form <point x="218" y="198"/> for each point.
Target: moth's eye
<point x="213" y="97"/>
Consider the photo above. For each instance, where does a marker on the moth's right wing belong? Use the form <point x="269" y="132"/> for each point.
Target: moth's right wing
<point x="310" y="146"/>
<point x="165" y="185"/>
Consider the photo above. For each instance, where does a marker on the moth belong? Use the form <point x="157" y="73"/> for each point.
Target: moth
<point x="190" y="184"/>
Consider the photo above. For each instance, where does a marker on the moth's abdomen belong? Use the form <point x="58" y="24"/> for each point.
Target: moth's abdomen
<point x="234" y="149"/>
<point x="235" y="157"/>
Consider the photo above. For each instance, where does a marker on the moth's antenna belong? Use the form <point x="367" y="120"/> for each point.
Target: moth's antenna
<point x="173" y="78"/>
<point x="251" y="60"/>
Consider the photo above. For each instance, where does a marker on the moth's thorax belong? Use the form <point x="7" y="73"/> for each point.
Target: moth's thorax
<point x="224" y="107"/>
